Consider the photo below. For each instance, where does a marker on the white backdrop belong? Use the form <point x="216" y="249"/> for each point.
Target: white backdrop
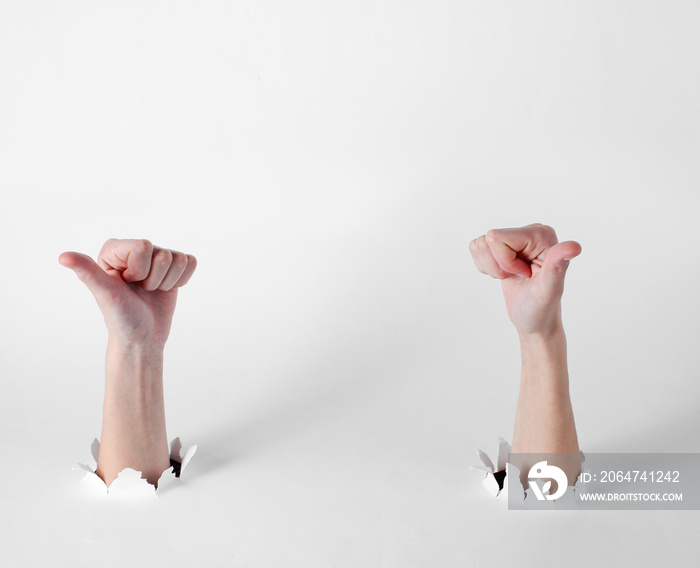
<point x="336" y="356"/>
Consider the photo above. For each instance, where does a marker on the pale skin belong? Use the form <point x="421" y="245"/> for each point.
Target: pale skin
<point x="531" y="264"/>
<point x="135" y="285"/>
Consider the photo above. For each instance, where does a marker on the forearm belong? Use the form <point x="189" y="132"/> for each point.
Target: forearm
<point x="544" y="420"/>
<point x="133" y="425"/>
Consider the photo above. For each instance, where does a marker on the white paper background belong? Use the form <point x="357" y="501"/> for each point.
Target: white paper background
<point x="336" y="357"/>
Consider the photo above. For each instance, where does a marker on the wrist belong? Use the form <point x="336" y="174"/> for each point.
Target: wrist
<point x="135" y="349"/>
<point x="543" y="339"/>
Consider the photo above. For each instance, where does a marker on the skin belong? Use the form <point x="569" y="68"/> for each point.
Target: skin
<point x="531" y="264"/>
<point x="135" y="285"/>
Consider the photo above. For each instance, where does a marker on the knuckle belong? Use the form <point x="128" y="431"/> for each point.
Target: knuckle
<point x="108" y="244"/>
<point x="491" y="235"/>
<point x="163" y="256"/>
<point x="143" y="245"/>
<point x="179" y="260"/>
<point x="548" y="230"/>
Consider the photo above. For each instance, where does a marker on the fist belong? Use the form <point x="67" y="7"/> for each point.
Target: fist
<point x="532" y="264"/>
<point x="135" y="285"/>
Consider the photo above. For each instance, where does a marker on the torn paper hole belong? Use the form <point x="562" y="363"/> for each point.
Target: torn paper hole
<point x="494" y="475"/>
<point x="129" y="484"/>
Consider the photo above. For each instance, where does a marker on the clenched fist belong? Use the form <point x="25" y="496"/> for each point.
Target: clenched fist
<point x="135" y="284"/>
<point x="531" y="263"/>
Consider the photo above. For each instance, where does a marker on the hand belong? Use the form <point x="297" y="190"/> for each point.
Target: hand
<point x="135" y="284"/>
<point x="532" y="265"/>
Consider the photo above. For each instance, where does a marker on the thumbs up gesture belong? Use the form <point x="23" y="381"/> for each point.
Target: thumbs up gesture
<point x="532" y="264"/>
<point x="135" y="284"/>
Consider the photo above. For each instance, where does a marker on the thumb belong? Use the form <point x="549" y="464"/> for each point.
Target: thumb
<point x="556" y="262"/>
<point x="101" y="284"/>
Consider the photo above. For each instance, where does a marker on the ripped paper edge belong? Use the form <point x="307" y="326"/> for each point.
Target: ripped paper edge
<point x="129" y="483"/>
